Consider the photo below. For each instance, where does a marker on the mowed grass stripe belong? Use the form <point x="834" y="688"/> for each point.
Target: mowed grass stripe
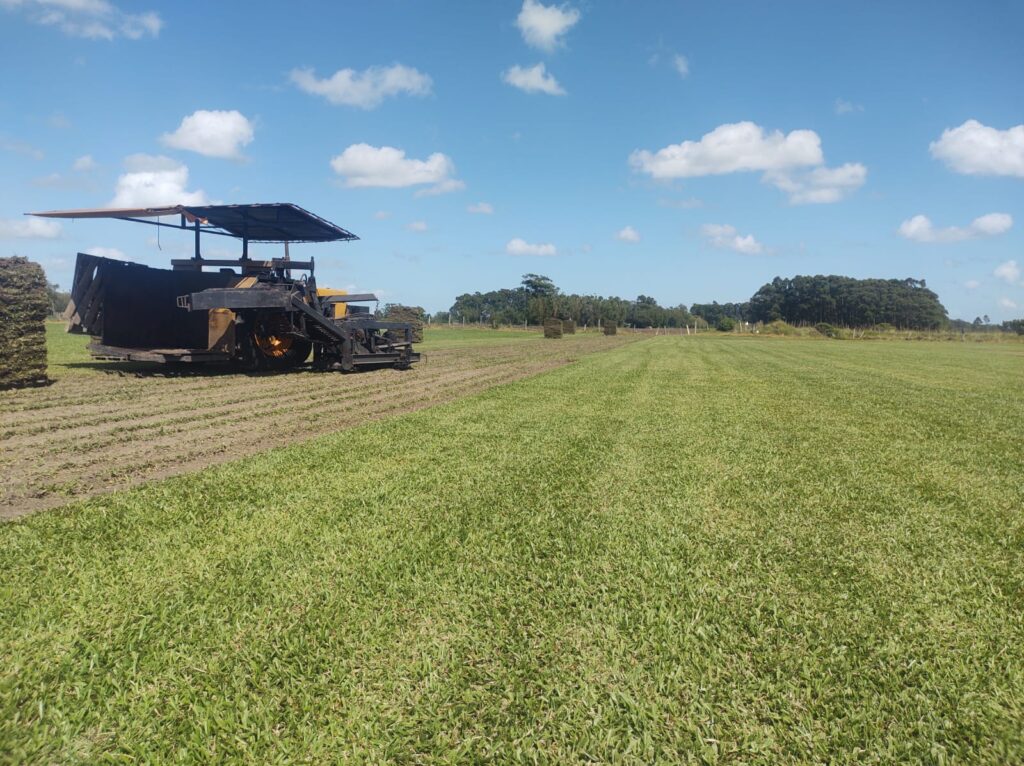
<point x="682" y="549"/>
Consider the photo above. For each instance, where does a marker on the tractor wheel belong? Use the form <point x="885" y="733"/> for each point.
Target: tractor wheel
<point x="272" y="352"/>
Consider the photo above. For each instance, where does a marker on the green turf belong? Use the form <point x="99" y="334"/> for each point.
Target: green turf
<point x="63" y="350"/>
<point x="717" y="550"/>
<point x="441" y="336"/>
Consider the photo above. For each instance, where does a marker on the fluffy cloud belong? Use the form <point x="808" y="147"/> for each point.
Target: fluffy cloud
<point x="681" y="64"/>
<point x="820" y="185"/>
<point x="725" y="237"/>
<point x="153" y="181"/>
<point x="363" y="165"/>
<point x="417" y="226"/>
<point x="519" y="246"/>
<point x="536" y="79"/>
<point x="382" y="215"/>
<point x="543" y="26"/>
<point x="91" y="19"/>
<point x="366" y="89"/>
<point x="977" y="149"/>
<point x="731" y="148"/>
<point x="972" y="284"/>
<point x="84" y="164"/>
<point x="29" y="228"/>
<point x="212" y="133"/>
<point x="481" y="208"/>
<point x="1008" y="272"/>
<point x="920" y="228"/>
<point x="106" y="252"/>
<point x="628" y="234"/>
<point x="1006" y="303"/>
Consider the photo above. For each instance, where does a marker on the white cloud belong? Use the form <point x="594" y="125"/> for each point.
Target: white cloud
<point x="821" y="185"/>
<point x="726" y="237"/>
<point x="972" y="284"/>
<point x="90" y="19"/>
<point x="519" y="246"/>
<point x="920" y="228"/>
<point x="1008" y="272"/>
<point x="363" y="165"/>
<point x="382" y="215"/>
<point x="536" y="79"/>
<point x="543" y="26"/>
<point x="212" y="133"/>
<point x="682" y="204"/>
<point x="444" y="187"/>
<point x="628" y="234"/>
<point x="106" y="252"/>
<point x="366" y="89"/>
<point x="418" y="226"/>
<point x="1006" y="303"/>
<point x="29" y="228"/>
<point x="843" y="106"/>
<point x="731" y="148"/>
<point x="153" y="181"/>
<point x="481" y="208"/>
<point x="976" y="149"/>
<point x="681" y="64"/>
<point x="20" y="147"/>
<point x="85" y="164"/>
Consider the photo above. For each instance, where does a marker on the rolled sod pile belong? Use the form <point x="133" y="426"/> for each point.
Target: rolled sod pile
<point x="610" y="328"/>
<point x="411" y="314"/>
<point x="568" y="327"/>
<point x="552" y="328"/>
<point x="24" y="307"/>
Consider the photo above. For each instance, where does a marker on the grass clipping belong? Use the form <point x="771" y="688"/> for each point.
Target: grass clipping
<point x="24" y="307"/>
<point x="610" y="328"/>
<point x="552" y="328"/>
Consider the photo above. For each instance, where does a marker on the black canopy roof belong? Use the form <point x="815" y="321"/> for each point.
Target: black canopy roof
<point x="259" y="222"/>
<point x="270" y="222"/>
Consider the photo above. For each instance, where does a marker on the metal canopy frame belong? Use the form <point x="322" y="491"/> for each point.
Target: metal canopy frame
<point x="258" y="222"/>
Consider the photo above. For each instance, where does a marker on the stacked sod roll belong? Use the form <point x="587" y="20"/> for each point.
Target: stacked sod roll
<point x="24" y="306"/>
<point x="568" y="327"/>
<point x="411" y="314"/>
<point x="610" y="327"/>
<point x="552" y="328"/>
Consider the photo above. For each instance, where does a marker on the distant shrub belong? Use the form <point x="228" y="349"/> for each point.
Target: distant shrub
<point x="883" y="327"/>
<point x="778" y="327"/>
<point x="827" y="330"/>
<point x="726" y="324"/>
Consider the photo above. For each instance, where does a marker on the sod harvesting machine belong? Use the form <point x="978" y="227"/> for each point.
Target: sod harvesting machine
<point x="253" y="313"/>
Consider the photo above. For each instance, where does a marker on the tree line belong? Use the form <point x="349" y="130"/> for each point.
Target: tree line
<point x="800" y="300"/>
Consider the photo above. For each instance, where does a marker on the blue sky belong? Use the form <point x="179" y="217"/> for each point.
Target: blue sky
<point x="686" y="150"/>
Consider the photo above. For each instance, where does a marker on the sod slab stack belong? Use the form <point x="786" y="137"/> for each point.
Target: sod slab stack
<point x="411" y="314"/>
<point x="552" y="328"/>
<point x="24" y="307"/>
<point x="610" y="328"/>
<point x="568" y="327"/>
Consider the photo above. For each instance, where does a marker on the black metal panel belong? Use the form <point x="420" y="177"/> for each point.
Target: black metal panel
<point x="241" y="298"/>
<point x="140" y="307"/>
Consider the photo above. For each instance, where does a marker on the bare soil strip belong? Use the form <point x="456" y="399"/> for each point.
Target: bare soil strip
<point x="93" y="433"/>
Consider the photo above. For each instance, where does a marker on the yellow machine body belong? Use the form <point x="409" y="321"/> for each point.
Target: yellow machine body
<point x="340" y="309"/>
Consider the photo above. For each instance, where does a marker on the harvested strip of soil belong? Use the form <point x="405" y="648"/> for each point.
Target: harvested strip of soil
<point x="93" y="433"/>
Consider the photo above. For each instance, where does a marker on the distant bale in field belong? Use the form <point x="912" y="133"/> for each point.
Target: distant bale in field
<point x="24" y="306"/>
<point x="394" y="312"/>
<point x="568" y="327"/>
<point x="610" y="328"/>
<point x="552" y="328"/>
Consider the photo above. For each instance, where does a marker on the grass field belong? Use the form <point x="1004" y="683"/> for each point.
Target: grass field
<point x="103" y="426"/>
<point x="684" y="549"/>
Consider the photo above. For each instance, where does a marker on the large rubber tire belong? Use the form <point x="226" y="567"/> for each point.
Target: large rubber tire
<point x="295" y="355"/>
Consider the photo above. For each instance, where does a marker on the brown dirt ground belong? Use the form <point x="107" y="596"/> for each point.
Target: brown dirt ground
<point x="90" y="434"/>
